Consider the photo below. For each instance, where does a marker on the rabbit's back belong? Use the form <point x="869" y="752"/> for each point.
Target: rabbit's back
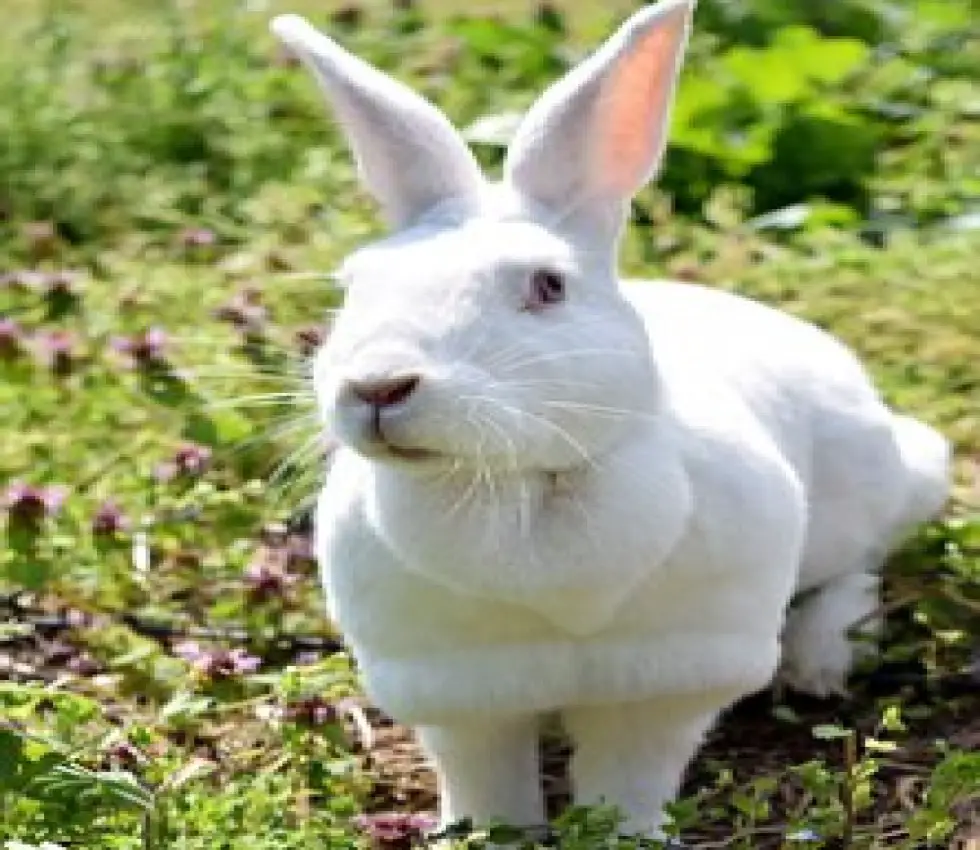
<point x="867" y="471"/>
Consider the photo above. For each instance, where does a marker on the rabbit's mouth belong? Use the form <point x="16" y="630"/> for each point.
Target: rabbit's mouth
<point x="411" y="453"/>
<point x="381" y="449"/>
<point x="368" y="432"/>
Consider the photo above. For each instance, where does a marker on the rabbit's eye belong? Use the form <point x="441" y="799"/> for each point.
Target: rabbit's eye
<point x="547" y="287"/>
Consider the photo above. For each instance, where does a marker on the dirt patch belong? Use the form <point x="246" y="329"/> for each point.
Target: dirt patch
<point x="760" y="737"/>
<point x="751" y="742"/>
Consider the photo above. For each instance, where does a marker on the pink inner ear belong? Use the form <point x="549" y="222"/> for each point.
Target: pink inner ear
<point x="633" y="111"/>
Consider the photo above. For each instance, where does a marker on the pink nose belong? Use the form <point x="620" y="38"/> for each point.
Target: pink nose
<point x="385" y="392"/>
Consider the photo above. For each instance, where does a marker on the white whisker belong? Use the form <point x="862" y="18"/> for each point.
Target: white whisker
<point x="281" y="427"/>
<point x="470" y="489"/>
<point x="263" y="400"/>
<point x="306" y="451"/>
<point x="575" y="352"/>
<point x="568" y="438"/>
<point x="500" y="358"/>
<point x="600" y="410"/>
<point x="545" y="382"/>
<point x="235" y="371"/>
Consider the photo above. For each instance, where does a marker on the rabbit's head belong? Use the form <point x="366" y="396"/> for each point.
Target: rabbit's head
<point x="489" y="329"/>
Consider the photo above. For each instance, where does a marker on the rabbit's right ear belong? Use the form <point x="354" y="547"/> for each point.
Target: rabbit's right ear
<point x="597" y="135"/>
<point x="409" y="155"/>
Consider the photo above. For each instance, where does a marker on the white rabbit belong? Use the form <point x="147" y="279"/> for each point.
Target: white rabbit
<point x="556" y="492"/>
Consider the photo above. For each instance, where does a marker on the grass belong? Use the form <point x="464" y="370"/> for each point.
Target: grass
<point x="161" y="169"/>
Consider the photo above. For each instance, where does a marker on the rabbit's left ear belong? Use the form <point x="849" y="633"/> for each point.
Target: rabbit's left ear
<point x="409" y="155"/>
<point x="595" y="137"/>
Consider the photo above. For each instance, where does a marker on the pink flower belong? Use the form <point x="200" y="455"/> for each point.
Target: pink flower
<point x="21" y="279"/>
<point x="83" y="664"/>
<point x="108" y="520"/>
<point x="190" y="460"/>
<point x="57" y="350"/>
<point x="245" y="311"/>
<point x="62" y="283"/>
<point x="266" y="577"/>
<point x="51" y="284"/>
<point x="125" y="755"/>
<point x="11" y="339"/>
<point x="197" y="237"/>
<point x="218" y="663"/>
<point x="309" y="339"/>
<point x="395" y="830"/>
<point x="300" y="549"/>
<point x="27" y="505"/>
<point x="268" y="574"/>
<point x="312" y="711"/>
<point x="143" y="349"/>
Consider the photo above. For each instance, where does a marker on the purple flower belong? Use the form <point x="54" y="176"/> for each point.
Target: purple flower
<point x="190" y="460"/>
<point x="58" y="652"/>
<point x="291" y="548"/>
<point x="309" y="339"/>
<point x="11" y="339"/>
<point x="266" y="576"/>
<point x="126" y="755"/>
<point x="83" y="664"/>
<point x="312" y="711"/>
<point x="27" y="506"/>
<point x="300" y="550"/>
<point x="57" y="350"/>
<point x="50" y="283"/>
<point x="77" y="619"/>
<point x="62" y="283"/>
<point x="395" y="830"/>
<point x="245" y="311"/>
<point x="109" y="520"/>
<point x="20" y="279"/>
<point x="143" y="349"/>
<point x="274" y="534"/>
<point x="217" y="663"/>
<point x="197" y="237"/>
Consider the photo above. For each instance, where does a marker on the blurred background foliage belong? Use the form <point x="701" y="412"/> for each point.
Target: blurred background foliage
<point x="865" y="109"/>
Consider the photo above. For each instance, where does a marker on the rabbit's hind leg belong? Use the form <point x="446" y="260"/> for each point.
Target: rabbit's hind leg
<point x="874" y="483"/>
<point x="819" y="650"/>
<point x="488" y="770"/>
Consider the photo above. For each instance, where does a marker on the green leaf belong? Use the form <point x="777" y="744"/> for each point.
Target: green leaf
<point x="830" y="732"/>
<point x="767" y="74"/>
<point x="11" y="750"/>
<point x="186" y="704"/>
<point x="826" y="60"/>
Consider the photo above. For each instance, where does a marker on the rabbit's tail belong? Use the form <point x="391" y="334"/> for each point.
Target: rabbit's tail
<point x="926" y="455"/>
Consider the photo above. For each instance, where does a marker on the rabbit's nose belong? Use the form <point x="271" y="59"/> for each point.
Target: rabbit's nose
<point x="385" y="392"/>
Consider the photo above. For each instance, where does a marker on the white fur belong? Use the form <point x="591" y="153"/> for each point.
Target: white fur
<point x="407" y="152"/>
<point x="601" y="508"/>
